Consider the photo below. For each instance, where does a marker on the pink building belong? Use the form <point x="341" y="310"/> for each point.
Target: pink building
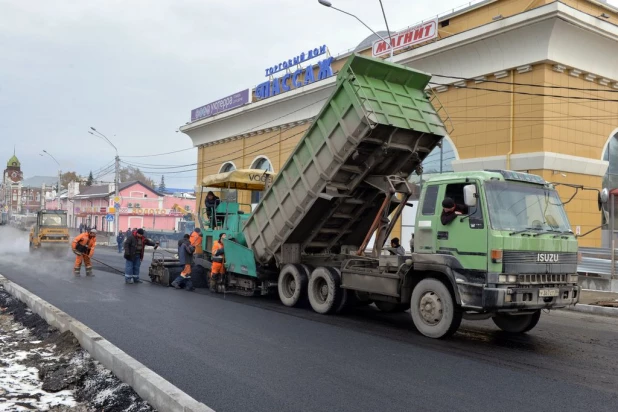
<point x="140" y="206"/>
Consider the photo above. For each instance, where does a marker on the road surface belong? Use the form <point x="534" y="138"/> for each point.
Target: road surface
<point x="236" y="353"/>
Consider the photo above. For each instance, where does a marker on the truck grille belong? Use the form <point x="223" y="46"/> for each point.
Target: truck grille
<point x="542" y="279"/>
<point x="511" y="256"/>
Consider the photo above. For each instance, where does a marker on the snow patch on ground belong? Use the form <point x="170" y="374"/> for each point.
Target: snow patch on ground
<point x="20" y="386"/>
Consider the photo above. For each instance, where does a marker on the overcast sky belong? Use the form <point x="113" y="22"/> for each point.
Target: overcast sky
<point x="134" y="69"/>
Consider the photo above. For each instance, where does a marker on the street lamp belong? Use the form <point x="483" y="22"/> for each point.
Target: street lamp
<point x="59" y="175"/>
<point x="116" y="178"/>
<point x="327" y="3"/>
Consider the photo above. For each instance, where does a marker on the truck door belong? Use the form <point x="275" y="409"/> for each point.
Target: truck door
<point x="427" y="217"/>
<point x="465" y="237"/>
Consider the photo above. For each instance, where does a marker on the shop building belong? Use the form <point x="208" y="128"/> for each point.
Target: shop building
<point x="140" y="206"/>
<point x="527" y="85"/>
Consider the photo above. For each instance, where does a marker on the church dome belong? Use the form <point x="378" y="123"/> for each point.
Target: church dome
<point x="13" y="162"/>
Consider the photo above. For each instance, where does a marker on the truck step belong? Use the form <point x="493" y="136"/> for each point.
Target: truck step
<point x="353" y="201"/>
<point x="342" y="216"/>
<point x="317" y="244"/>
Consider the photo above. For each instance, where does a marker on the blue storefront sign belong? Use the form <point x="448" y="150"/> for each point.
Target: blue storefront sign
<point x="292" y="80"/>
<point x="221" y="105"/>
<point x="296" y="61"/>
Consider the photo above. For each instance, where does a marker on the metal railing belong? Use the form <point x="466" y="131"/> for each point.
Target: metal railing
<point x="596" y="262"/>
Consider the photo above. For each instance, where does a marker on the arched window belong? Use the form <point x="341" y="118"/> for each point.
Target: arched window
<point x="232" y="194"/>
<point x="227" y="167"/>
<point x="261" y="163"/>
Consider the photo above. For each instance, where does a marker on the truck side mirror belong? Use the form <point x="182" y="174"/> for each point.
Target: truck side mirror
<point x="470" y="195"/>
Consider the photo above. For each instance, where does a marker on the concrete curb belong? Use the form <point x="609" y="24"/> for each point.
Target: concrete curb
<point x="593" y="309"/>
<point x="158" y="392"/>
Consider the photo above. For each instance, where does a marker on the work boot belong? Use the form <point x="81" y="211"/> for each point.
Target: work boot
<point x="89" y="272"/>
<point x="128" y="279"/>
<point x="76" y="271"/>
<point x="136" y="279"/>
<point x="176" y="285"/>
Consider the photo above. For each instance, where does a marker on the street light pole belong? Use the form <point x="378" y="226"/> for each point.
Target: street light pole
<point x="116" y="179"/>
<point x="327" y="3"/>
<point x="59" y="177"/>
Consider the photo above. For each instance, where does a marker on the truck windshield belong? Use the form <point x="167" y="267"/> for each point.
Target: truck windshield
<point x="53" y="220"/>
<point x="520" y="207"/>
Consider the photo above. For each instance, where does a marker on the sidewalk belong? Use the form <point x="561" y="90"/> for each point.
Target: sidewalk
<point x="593" y="297"/>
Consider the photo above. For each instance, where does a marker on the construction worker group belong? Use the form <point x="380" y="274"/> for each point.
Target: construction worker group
<point x="134" y="245"/>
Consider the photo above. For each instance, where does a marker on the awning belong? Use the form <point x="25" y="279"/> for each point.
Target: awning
<point x="243" y="179"/>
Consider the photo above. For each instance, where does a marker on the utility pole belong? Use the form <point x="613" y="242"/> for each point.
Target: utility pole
<point x="116" y="184"/>
<point x="59" y="175"/>
<point x="116" y="178"/>
<point x="58" y="194"/>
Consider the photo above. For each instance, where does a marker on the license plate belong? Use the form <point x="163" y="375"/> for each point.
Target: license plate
<point x="545" y="293"/>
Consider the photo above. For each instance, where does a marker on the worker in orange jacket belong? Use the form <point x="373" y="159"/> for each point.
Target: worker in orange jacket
<point x="83" y="246"/>
<point x="196" y="241"/>
<point x="218" y="259"/>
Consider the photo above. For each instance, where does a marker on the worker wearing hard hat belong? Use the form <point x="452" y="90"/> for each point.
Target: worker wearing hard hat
<point x="83" y="246"/>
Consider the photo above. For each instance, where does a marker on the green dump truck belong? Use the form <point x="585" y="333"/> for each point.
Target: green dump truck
<point x="511" y="254"/>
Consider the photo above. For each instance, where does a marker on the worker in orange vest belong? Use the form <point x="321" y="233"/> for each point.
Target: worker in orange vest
<point x="218" y="259"/>
<point x="196" y="241"/>
<point x="83" y="246"/>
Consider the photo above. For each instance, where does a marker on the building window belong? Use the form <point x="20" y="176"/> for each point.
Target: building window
<point x="38" y="197"/>
<point x="14" y="197"/>
<point x="228" y="195"/>
<point x="227" y="167"/>
<point x="261" y="163"/>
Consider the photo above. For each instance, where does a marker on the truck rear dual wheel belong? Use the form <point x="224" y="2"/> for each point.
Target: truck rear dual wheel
<point x="433" y="309"/>
<point x="325" y="293"/>
<point x="292" y="284"/>
<point x="517" y="323"/>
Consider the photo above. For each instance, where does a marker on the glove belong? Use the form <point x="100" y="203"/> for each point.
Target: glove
<point x="127" y="256"/>
<point x="76" y="252"/>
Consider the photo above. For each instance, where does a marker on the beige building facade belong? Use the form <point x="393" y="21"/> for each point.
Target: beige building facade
<point x="527" y="85"/>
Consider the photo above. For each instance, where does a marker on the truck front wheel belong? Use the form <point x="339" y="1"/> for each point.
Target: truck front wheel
<point x="433" y="309"/>
<point x="292" y="285"/>
<point x="517" y="323"/>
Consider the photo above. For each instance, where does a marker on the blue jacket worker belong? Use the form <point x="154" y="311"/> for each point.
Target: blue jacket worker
<point x="185" y="255"/>
<point x="120" y="240"/>
<point x="134" y="248"/>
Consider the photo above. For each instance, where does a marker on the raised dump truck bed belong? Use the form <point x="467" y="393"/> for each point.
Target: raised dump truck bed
<point x="374" y="131"/>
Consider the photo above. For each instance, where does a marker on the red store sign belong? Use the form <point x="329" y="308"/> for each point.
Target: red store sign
<point x="414" y="35"/>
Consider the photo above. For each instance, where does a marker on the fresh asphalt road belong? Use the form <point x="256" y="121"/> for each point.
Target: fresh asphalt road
<point x="253" y="354"/>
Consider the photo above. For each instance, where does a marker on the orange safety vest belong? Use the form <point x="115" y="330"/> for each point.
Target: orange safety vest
<point x="196" y="241"/>
<point x="216" y="246"/>
<point x="85" y="240"/>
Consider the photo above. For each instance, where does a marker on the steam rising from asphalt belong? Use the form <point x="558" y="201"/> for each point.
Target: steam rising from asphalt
<point x="14" y="251"/>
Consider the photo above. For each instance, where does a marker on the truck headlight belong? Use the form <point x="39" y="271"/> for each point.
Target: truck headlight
<point x="501" y="278"/>
<point x="512" y="278"/>
<point x="573" y="278"/>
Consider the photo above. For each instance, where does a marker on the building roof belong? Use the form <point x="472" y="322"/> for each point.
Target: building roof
<point x="38" y="181"/>
<point x="99" y="191"/>
<point x="12" y="160"/>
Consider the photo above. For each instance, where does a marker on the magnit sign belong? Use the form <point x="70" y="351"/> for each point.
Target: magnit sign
<point x="410" y="37"/>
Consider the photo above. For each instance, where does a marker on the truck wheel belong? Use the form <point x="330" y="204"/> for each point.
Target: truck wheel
<point x="324" y="290"/>
<point x="292" y="285"/>
<point x="390" y="307"/>
<point x="517" y="323"/>
<point x="433" y="309"/>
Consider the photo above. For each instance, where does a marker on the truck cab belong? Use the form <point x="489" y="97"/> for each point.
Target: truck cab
<point x="512" y="253"/>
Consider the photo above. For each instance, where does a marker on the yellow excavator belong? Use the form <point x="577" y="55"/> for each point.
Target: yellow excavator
<point x="50" y="232"/>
